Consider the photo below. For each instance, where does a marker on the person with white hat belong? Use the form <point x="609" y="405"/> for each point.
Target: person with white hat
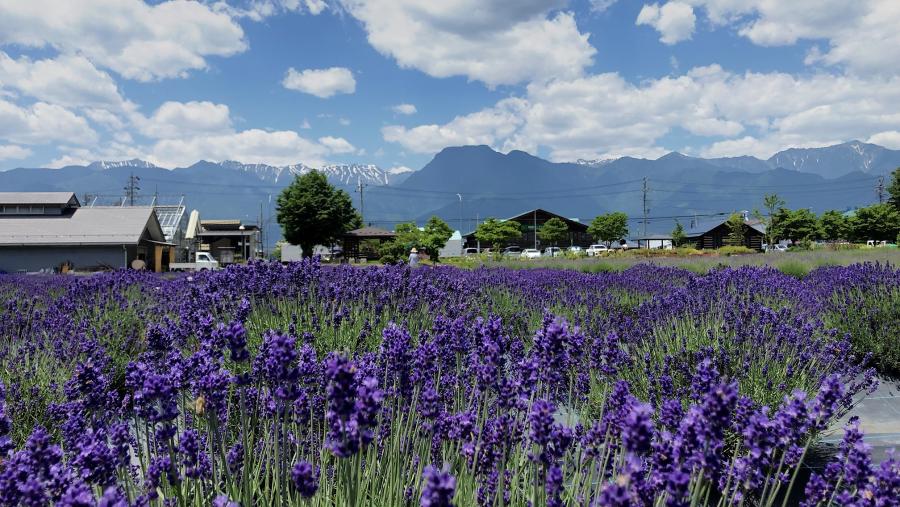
<point x="413" y="258"/>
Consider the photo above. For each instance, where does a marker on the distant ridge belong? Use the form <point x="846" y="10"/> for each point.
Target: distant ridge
<point x="465" y="183"/>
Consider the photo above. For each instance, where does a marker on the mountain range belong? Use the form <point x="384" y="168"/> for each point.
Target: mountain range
<point x="468" y="183"/>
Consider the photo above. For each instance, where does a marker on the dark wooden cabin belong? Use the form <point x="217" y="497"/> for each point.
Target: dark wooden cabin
<point x="531" y="221"/>
<point x="714" y="234"/>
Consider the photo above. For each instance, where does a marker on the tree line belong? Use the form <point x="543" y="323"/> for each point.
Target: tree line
<point x="312" y="212"/>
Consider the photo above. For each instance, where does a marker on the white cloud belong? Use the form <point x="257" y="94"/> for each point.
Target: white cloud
<point x="110" y="151"/>
<point x="184" y="119"/>
<point x="337" y="144"/>
<point x="13" y="152"/>
<point x="861" y="35"/>
<point x="888" y="139"/>
<point x="406" y="109"/>
<point x="601" y="5"/>
<point x="258" y="10"/>
<point x="488" y="126"/>
<point x="604" y="115"/>
<point x="281" y="147"/>
<point x="42" y="123"/>
<point x="493" y="41"/>
<point x="322" y="83"/>
<point x="674" y="20"/>
<point x="400" y="169"/>
<point x="68" y="81"/>
<point x="135" y="39"/>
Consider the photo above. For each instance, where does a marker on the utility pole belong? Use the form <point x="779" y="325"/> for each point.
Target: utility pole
<point x="132" y="188"/>
<point x="362" y="208"/>
<point x="262" y="237"/>
<point x="645" y="189"/>
<point x="535" y="229"/>
<point x="879" y="189"/>
<point x="460" y="213"/>
<point x="477" y="220"/>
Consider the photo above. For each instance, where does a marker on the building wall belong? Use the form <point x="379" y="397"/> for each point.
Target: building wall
<point x="36" y="258"/>
<point x="718" y="237"/>
<point x="453" y="248"/>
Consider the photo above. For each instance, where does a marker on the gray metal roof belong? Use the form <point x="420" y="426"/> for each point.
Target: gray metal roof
<point x="85" y="226"/>
<point x="704" y="226"/>
<point x="45" y="198"/>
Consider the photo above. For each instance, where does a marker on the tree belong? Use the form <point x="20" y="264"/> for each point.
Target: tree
<point x="312" y="212"/>
<point x="609" y="227"/>
<point x="408" y="236"/>
<point x="833" y="225"/>
<point x="678" y="237"/>
<point x="796" y="225"/>
<point x="772" y="203"/>
<point x="553" y="231"/>
<point x="894" y="189"/>
<point x="736" y="228"/>
<point x="496" y="232"/>
<point x="879" y="222"/>
<point x="435" y="237"/>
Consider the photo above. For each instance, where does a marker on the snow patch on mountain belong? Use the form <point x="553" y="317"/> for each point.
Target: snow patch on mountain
<point x="142" y="164"/>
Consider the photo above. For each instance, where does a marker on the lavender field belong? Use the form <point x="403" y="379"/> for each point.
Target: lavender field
<point x="323" y="385"/>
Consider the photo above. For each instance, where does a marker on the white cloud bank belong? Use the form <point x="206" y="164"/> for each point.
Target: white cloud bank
<point x="493" y="41"/>
<point x="134" y="39"/>
<point x="604" y="115"/>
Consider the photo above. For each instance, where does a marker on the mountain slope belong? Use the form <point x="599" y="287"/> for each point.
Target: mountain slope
<point x="462" y="184"/>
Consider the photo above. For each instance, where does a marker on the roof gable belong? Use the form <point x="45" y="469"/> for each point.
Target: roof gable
<point x="95" y="226"/>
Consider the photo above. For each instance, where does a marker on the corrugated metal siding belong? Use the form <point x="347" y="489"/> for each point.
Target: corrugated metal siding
<point x="35" y="258"/>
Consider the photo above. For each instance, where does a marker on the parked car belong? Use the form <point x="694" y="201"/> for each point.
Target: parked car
<point x="530" y="253"/>
<point x="779" y="248"/>
<point x="552" y="251"/>
<point x="470" y="251"/>
<point x="596" y="250"/>
<point x="576" y="249"/>
<point x="512" y="251"/>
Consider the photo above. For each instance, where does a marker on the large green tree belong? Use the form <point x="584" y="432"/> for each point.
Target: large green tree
<point x="795" y="225"/>
<point x="435" y="236"/>
<point x="553" y="231"/>
<point x="609" y="227"/>
<point x="833" y="225"/>
<point x="894" y="189"/>
<point x="497" y="232"/>
<point x="879" y="222"/>
<point x="313" y="212"/>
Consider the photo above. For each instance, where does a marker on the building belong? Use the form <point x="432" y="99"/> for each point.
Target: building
<point x="453" y="247"/>
<point x="714" y="234"/>
<point x="655" y="241"/>
<point x="363" y="243"/>
<point x="50" y="231"/>
<point x="530" y="222"/>
<point x="229" y="241"/>
<point x="172" y="220"/>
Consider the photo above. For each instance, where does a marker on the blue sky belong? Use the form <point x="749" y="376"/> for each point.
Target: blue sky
<point x="391" y="82"/>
